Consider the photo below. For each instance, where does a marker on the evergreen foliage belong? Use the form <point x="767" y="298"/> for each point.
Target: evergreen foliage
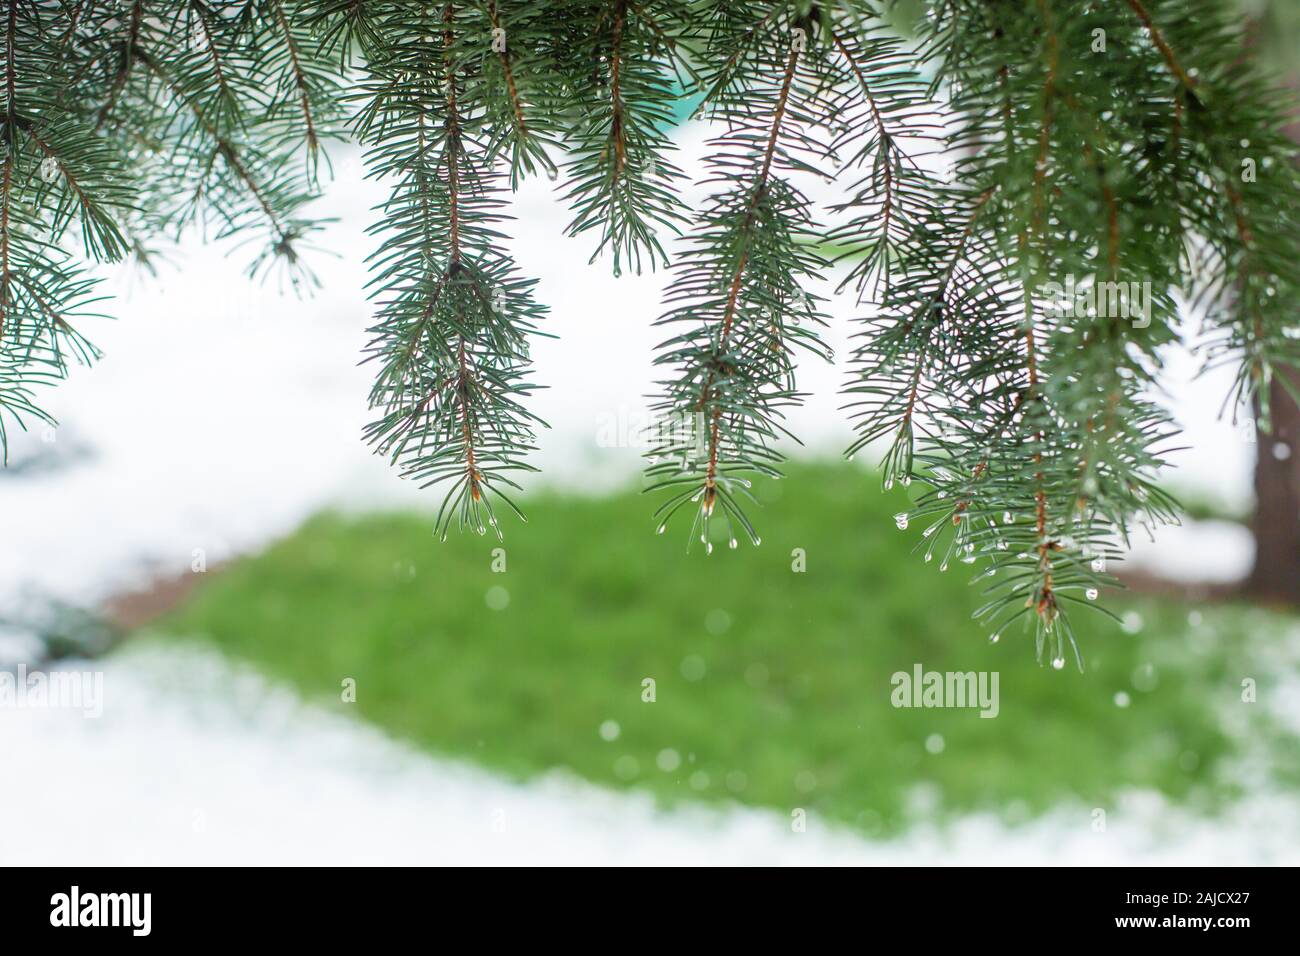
<point x="1007" y="153"/>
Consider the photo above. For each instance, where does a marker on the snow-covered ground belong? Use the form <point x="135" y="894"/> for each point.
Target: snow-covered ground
<point x="195" y="762"/>
<point x="223" y="414"/>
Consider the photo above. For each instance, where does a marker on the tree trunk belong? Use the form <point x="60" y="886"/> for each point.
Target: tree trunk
<point x="1276" y="522"/>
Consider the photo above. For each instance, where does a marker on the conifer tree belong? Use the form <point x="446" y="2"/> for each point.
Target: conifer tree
<point x="1029" y="191"/>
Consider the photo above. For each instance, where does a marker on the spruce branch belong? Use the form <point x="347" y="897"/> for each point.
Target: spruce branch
<point x="1010" y="184"/>
<point x="739" y="282"/>
<point x="451" y="333"/>
<point x="518" y="73"/>
<point x="1030" y="463"/>
<point x="52" y="172"/>
<point x="620" y="180"/>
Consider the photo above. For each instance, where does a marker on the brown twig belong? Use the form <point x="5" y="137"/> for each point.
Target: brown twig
<point x="511" y="89"/>
<point x="887" y="206"/>
<point x="1162" y="45"/>
<point x="729" y="313"/>
<point x="616" y="131"/>
<point x="128" y="58"/>
<point x="11" y="112"/>
<point x="225" y="148"/>
<point x="1046" y="603"/>
<point x="298" y="78"/>
<point x="465" y="382"/>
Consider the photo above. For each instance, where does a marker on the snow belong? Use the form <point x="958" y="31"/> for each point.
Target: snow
<point x="198" y="762"/>
<point x="1211" y="552"/>
<point x="223" y="415"/>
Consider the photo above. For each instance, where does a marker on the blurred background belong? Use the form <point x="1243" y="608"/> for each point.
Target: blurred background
<point x="296" y="671"/>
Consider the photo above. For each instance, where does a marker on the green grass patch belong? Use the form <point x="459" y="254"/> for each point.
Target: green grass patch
<point x="772" y="687"/>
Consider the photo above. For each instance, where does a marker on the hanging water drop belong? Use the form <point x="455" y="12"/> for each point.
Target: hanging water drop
<point x="900" y="521"/>
<point x="994" y="638"/>
<point x="552" y="173"/>
<point x="1008" y="517"/>
<point x="1090" y="594"/>
<point x="733" y="544"/>
<point x="1058" y="662"/>
<point x="49" y="169"/>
